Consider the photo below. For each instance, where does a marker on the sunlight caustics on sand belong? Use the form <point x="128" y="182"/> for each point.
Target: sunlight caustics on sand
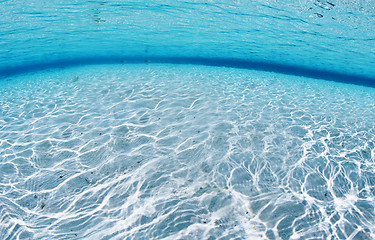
<point x="165" y="151"/>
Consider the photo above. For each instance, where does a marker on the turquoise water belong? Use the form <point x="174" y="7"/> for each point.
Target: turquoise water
<point x="187" y="120"/>
<point x="336" y="36"/>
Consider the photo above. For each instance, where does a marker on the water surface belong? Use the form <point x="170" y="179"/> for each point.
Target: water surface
<point x="187" y="119"/>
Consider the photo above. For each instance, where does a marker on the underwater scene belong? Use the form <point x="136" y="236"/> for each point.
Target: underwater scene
<point x="187" y="119"/>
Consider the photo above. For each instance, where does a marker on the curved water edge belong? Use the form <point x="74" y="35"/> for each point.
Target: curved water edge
<point x="327" y="35"/>
<point x="228" y="62"/>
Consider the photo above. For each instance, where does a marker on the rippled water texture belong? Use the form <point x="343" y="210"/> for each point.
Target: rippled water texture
<point x="193" y="141"/>
<point x="183" y="152"/>
<point x="320" y="34"/>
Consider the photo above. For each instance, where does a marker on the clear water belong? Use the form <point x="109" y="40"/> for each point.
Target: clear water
<point x="157" y="120"/>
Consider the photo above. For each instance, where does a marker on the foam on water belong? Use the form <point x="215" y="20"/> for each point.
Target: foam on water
<point x="185" y="152"/>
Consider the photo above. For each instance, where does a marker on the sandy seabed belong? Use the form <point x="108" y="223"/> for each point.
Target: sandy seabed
<point x="162" y="151"/>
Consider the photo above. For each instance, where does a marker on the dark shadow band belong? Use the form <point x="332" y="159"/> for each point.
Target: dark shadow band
<point x="218" y="62"/>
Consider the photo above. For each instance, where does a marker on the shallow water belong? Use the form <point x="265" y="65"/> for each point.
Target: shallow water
<point x="185" y="152"/>
<point x="187" y="119"/>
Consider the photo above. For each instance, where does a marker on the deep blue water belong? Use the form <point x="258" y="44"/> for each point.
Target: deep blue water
<point x="187" y="119"/>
